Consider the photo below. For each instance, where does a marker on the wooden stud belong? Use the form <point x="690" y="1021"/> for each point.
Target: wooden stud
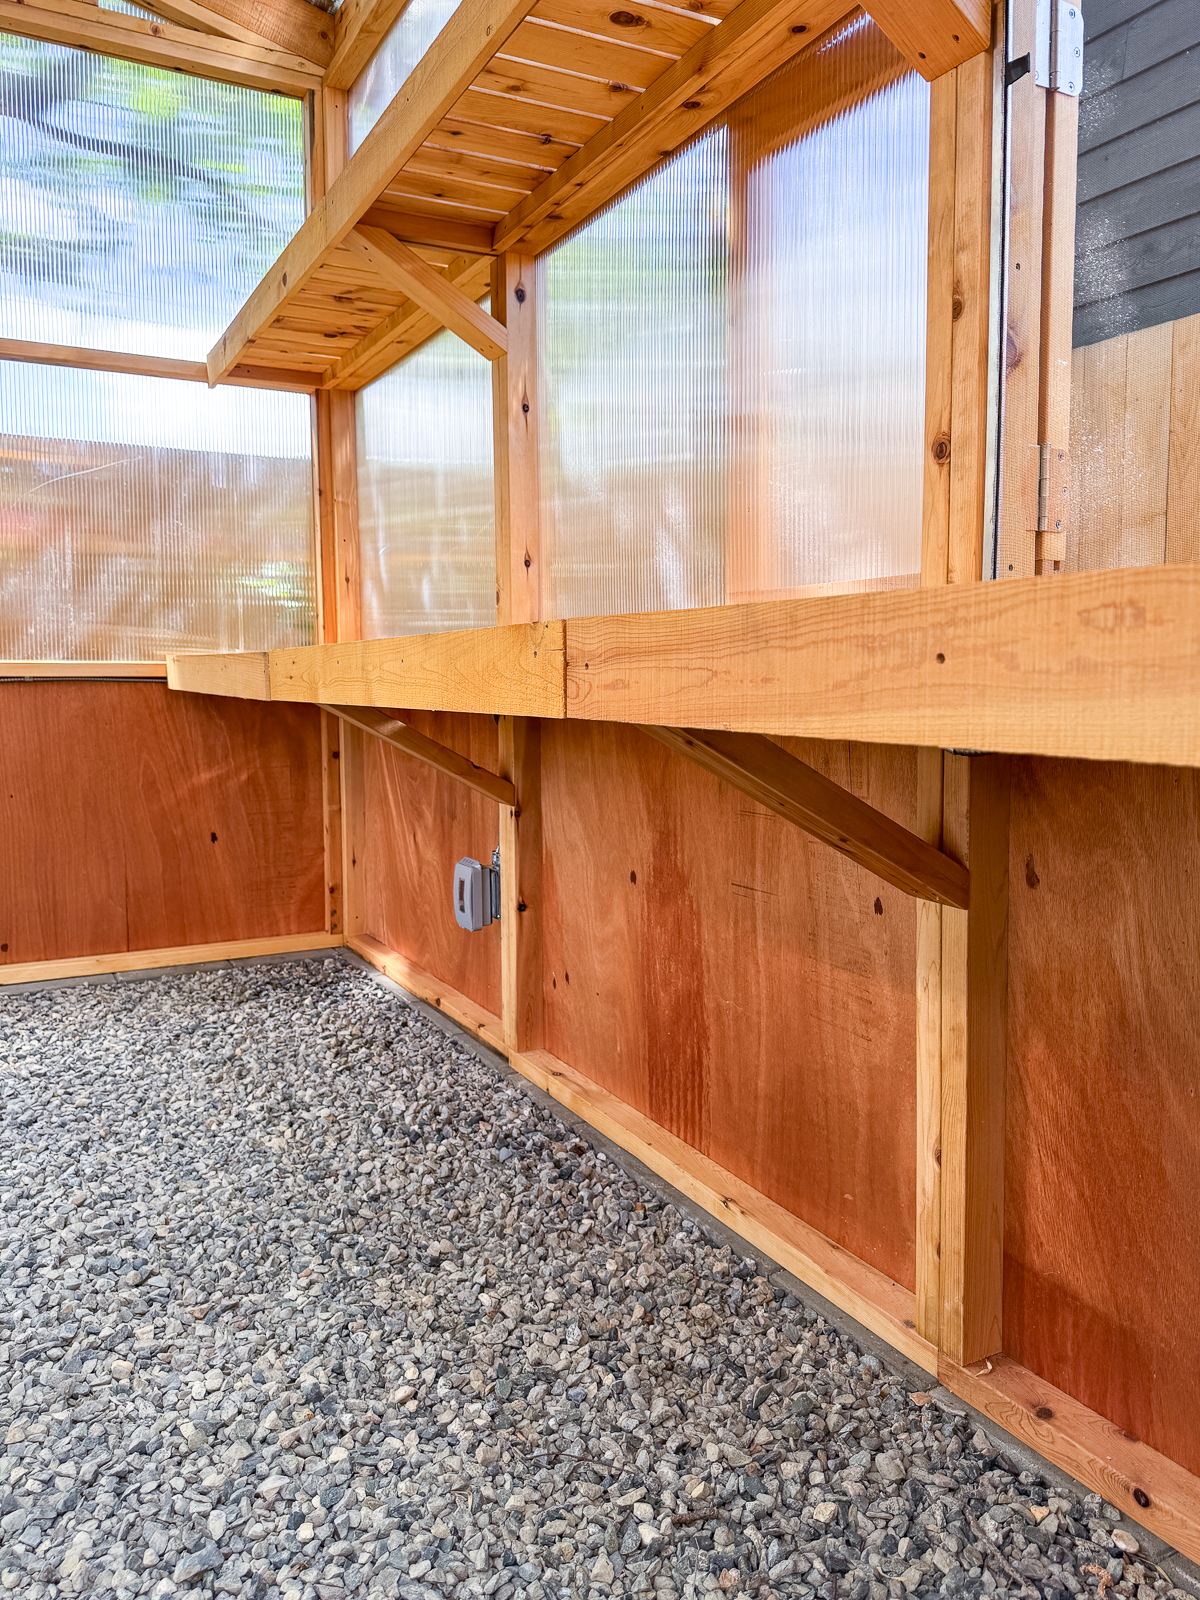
<point x="331" y="792"/>
<point x="974" y="975"/>
<point x="929" y="1061"/>
<point x="972" y="275"/>
<point x="515" y="442"/>
<point x="521" y="885"/>
<point x="344" y="483"/>
<point x="939" y="340"/>
<point x="1019" y="466"/>
<point x="398" y="734"/>
<point x="161" y="44"/>
<point x="403" y="270"/>
<point x="758" y="767"/>
<point x="1058" y="296"/>
<point x="354" y="831"/>
<point x="28" y="670"/>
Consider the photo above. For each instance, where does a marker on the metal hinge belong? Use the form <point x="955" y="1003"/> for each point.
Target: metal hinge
<point x="1058" y="47"/>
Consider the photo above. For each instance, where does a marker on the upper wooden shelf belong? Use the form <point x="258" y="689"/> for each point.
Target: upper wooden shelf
<point x="523" y="119"/>
<point x="1103" y="665"/>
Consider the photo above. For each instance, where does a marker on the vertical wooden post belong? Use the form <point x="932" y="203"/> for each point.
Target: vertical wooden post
<point x="521" y="885"/>
<point x="515" y="442"/>
<point x="971" y="312"/>
<point x="929" y="1062"/>
<point x="518" y="599"/>
<point x="939" y="343"/>
<point x="1057" y="315"/>
<point x="1023" y="297"/>
<point x="975" y="961"/>
<point x="962" y="802"/>
<point x="325" y="154"/>
<point x="342" y="751"/>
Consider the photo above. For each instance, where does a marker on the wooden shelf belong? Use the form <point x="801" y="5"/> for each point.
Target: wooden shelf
<point x="1100" y="665"/>
<point x="523" y="119"/>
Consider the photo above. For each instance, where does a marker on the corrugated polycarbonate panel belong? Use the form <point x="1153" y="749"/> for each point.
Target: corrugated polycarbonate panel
<point x="140" y="515"/>
<point x="632" y="396"/>
<point x="414" y="30"/>
<point x="732" y="366"/>
<point x="426" y="493"/>
<point x="138" y="207"/>
<point x="830" y="176"/>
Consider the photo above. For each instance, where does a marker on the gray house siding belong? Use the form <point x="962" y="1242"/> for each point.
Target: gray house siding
<point x="1137" y="231"/>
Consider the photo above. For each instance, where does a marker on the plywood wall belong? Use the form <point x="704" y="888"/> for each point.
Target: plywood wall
<point x="747" y="988"/>
<point x="1102" y="1241"/>
<point x="1135" y="449"/>
<point x="132" y="818"/>
<point x="419" y="823"/>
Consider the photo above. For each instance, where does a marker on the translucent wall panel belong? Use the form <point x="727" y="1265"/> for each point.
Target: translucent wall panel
<point x="732" y="362"/>
<point x="138" y="207"/>
<point x="140" y="515"/>
<point x="417" y="26"/>
<point x="426" y="497"/>
<point x="632" y="392"/>
<point x="830" y="178"/>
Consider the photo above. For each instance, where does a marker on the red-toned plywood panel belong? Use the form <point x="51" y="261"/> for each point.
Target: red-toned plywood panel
<point x="419" y="823"/>
<point x="136" y="819"/>
<point x="1102" y="1220"/>
<point x="743" y="985"/>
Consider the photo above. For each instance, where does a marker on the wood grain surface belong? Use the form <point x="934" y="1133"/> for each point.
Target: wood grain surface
<point x="1102" y="1228"/>
<point x="741" y="984"/>
<point x="418" y="823"/>
<point x="139" y="819"/>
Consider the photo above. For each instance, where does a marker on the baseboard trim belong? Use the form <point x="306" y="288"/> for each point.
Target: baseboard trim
<point x="175" y="956"/>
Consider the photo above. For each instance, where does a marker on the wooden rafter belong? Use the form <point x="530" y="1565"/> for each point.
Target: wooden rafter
<point x="361" y="28"/>
<point x="936" y="35"/>
<point x="415" y="278"/>
<point x="70" y="355"/>
<point x="295" y="26"/>
<point x="758" y="767"/>
<point x="397" y="733"/>
<point x="162" y="44"/>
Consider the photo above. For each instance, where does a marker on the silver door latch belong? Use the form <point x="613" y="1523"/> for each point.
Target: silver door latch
<point x="1058" y="47"/>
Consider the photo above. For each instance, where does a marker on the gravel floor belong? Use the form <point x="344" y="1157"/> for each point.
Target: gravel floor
<point x="298" y="1298"/>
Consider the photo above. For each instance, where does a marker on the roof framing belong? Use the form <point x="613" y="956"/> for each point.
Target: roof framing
<point x="163" y="44"/>
<point x="523" y="119"/>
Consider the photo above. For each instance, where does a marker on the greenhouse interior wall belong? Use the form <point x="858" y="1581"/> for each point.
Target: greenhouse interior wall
<point x="739" y="1001"/>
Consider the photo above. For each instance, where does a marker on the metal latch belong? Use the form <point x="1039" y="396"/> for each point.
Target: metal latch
<point x="1058" y="47"/>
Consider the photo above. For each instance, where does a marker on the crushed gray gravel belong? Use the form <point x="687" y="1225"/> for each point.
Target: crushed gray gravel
<point x="300" y="1298"/>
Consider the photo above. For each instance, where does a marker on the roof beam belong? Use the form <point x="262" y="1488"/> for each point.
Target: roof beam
<point x="392" y="730"/>
<point x="473" y="35"/>
<point x="161" y="44"/>
<point x="361" y="28"/>
<point x="408" y="274"/>
<point x="935" y="35"/>
<point x="295" y="26"/>
<point x="762" y="769"/>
